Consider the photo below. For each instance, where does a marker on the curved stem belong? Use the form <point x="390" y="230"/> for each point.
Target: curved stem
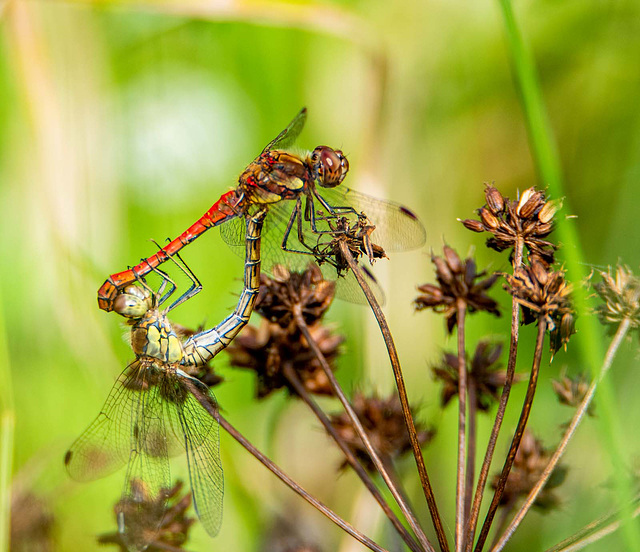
<point x="357" y="426"/>
<point x="205" y="402"/>
<point x="597" y="529"/>
<point x="402" y="393"/>
<point x="517" y="437"/>
<point x="575" y="421"/>
<point x="462" y="429"/>
<point x="502" y="406"/>
<point x="471" y="448"/>
<point x="295" y="382"/>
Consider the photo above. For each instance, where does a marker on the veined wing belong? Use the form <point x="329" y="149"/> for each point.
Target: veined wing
<point x="347" y="288"/>
<point x="202" y="439"/>
<point x="105" y="445"/>
<point x="289" y="135"/>
<point x="397" y="227"/>
<point x="148" y="479"/>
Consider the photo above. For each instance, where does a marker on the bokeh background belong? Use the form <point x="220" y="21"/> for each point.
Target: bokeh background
<point x="121" y="122"/>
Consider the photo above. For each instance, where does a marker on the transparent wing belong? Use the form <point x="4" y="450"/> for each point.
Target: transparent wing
<point x="272" y="253"/>
<point x="202" y="439"/>
<point x="148" y="479"/>
<point x="289" y="135"/>
<point x="347" y="287"/>
<point x="105" y="445"/>
<point x="397" y="227"/>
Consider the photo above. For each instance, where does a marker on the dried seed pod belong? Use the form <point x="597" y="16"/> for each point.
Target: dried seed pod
<point x="530" y="219"/>
<point x="268" y="349"/>
<point x="530" y="461"/>
<point x="457" y="279"/>
<point x="544" y="294"/>
<point x="174" y="529"/>
<point x="485" y="374"/>
<point x="620" y="296"/>
<point x="384" y="423"/>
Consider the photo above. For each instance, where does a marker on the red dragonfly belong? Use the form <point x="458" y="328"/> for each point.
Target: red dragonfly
<point x="304" y="196"/>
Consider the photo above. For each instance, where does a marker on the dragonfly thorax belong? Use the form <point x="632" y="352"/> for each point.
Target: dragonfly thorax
<point x="153" y="336"/>
<point x="274" y="176"/>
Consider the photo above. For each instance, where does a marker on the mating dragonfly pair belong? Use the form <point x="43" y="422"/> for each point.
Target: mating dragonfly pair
<point x="294" y="205"/>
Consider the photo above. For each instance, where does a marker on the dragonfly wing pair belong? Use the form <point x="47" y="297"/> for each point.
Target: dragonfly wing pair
<point x="148" y="416"/>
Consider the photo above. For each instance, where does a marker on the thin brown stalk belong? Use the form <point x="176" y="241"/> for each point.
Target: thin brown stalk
<point x="402" y="393"/>
<point x="206" y="403"/>
<point x="517" y="437"/>
<point x="359" y="429"/>
<point x="471" y="447"/>
<point x="462" y="429"/>
<point x="295" y="382"/>
<point x="504" y="516"/>
<point x="597" y="529"/>
<point x="502" y="406"/>
<point x="575" y="421"/>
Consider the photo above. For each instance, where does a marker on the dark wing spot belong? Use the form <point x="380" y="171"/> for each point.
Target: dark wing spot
<point x="67" y="457"/>
<point x="408" y="212"/>
<point x="368" y="273"/>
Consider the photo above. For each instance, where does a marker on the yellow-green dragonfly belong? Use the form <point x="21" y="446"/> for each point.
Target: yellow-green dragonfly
<point x="150" y="415"/>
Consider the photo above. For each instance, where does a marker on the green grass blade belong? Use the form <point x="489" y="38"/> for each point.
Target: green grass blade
<point x="547" y="161"/>
<point x="7" y="424"/>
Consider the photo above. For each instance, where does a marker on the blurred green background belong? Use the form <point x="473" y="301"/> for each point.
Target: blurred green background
<point x="120" y="123"/>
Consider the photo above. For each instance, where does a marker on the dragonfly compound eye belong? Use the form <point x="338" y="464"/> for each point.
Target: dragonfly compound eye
<point x="131" y="305"/>
<point x="331" y="166"/>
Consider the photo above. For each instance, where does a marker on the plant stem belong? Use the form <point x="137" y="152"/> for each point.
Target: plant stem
<point x="504" y="515"/>
<point x="7" y="435"/>
<point x="502" y="405"/>
<point x="402" y="393"/>
<point x="462" y="429"/>
<point x="212" y="410"/>
<point x="517" y="437"/>
<point x="575" y="421"/>
<point x="295" y="382"/>
<point x="588" y="341"/>
<point x="597" y="529"/>
<point x="471" y="448"/>
<point x="357" y="426"/>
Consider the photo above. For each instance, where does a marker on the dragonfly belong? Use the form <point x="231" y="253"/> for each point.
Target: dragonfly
<point x="304" y="193"/>
<point x="150" y="415"/>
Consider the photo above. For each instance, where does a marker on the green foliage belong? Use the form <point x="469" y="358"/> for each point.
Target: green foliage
<point x="121" y="125"/>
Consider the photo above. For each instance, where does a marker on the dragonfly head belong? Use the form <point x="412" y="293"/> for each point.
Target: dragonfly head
<point x="329" y="166"/>
<point x="133" y="302"/>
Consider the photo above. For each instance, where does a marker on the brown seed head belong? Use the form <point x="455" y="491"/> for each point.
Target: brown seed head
<point x="290" y="534"/>
<point x="571" y="390"/>
<point x="269" y="348"/>
<point x="285" y="290"/>
<point x="357" y="237"/>
<point x="529" y="219"/>
<point x="457" y="280"/>
<point x="543" y="293"/>
<point x="32" y="523"/>
<point x="143" y="513"/>
<point x="484" y="373"/>
<point x="530" y="461"/>
<point x="384" y="423"/>
<point x="620" y="295"/>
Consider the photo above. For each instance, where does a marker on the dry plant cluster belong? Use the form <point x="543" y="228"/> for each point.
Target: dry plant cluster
<point x="293" y="348"/>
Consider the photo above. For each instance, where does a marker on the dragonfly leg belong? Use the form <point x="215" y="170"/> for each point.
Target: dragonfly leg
<point x="333" y="213"/>
<point x="296" y="218"/>
<point x="161" y="296"/>
<point x="194" y="289"/>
